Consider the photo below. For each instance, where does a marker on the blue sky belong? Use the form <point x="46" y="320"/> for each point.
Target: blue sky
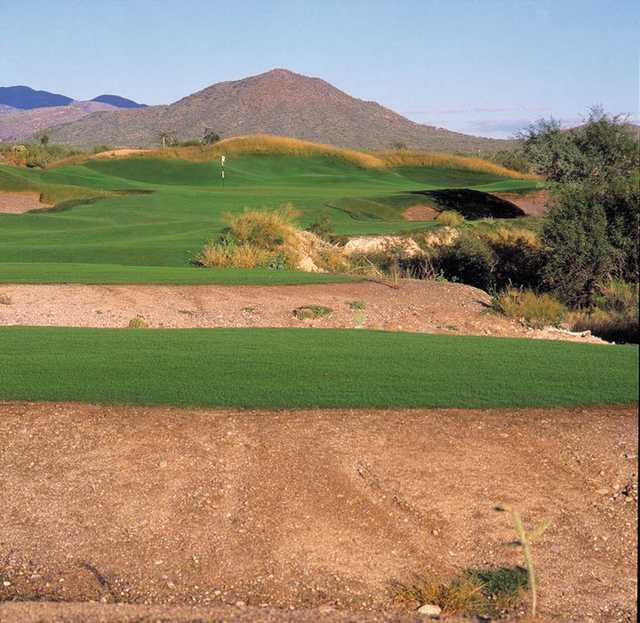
<point x="478" y="66"/>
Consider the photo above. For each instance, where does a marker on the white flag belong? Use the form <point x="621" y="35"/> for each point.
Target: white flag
<point x="222" y="159"/>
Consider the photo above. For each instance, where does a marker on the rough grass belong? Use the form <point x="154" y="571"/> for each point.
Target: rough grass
<point x="306" y="368"/>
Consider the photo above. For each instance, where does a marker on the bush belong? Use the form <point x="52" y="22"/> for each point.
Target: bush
<point x="579" y="253"/>
<point x="312" y="311"/>
<point x="536" y="310"/>
<point x="137" y="322"/>
<point x="256" y="239"/>
<point x="450" y="218"/>
<point x="468" y="260"/>
<point x="614" y="316"/>
<point x="322" y="226"/>
<point x="520" y="258"/>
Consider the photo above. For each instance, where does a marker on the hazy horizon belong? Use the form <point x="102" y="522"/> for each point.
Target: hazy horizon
<point x="480" y="68"/>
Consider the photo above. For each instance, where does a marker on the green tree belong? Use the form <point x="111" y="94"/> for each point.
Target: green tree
<point x="580" y="257"/>
<point x="594" y="170"/>
<point x="210" y="137"/>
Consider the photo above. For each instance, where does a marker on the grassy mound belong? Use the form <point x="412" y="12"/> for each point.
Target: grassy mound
<point x="282" y="368"/>
<point x="152" y="210"/>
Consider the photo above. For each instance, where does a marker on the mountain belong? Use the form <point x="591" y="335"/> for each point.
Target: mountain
<point x="277" y="102"/>
<point x="117" y="101"/>
<point x="18" y="125"/>
<point x="26" y="98"/>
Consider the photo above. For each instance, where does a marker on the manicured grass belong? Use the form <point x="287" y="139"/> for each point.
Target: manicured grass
<point x="113" y="274"/>
<point x="147" y="212"/>
<point x="282" y="368"/>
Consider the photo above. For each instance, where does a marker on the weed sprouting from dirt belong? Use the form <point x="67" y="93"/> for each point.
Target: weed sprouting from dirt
<point x="357" y="305"/>
<point x="137" y="322"/>
<point x="482" y="592"/>
<point x="525" y="539"/>
<point x="5" y="299"/>
<point x="307" y="312"/>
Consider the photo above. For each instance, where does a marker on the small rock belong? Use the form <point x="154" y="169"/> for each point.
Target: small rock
<point x="240" y="604"/>
<point x="430" y="610"/>
<point x="5" y="583"/>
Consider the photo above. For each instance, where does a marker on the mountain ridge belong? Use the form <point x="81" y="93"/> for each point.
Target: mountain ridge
<point x="278" y="102"/>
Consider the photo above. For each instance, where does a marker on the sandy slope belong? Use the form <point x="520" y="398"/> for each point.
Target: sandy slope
<point x="424" y="306"/>
<point x="314" y="508"/>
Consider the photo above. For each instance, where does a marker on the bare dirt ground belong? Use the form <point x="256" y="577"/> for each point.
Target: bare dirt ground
<point x="19" y="203"/>
<point x="307" y="509"/>
<point x="424" y="306"/>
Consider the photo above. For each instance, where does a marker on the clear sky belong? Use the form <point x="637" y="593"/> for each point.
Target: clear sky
<point x="478" y="66"/>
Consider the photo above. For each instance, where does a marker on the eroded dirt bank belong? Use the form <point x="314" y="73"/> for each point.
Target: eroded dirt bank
<point x="311" y="509"/>
<point x="425" y="306"/>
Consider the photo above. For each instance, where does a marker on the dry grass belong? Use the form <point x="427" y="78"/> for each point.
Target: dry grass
<point x="535" y="310"/>
<point x="513" y="236"/>
<point x="268" y="144"/>
<point x="451" y="218"/>
<point x="475" y="592"/>
<point x="400" y="158"/>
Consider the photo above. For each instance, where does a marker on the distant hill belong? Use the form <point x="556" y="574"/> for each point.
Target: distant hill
<point x="277" y="102"/>
<point x="21" y="125"/>
<point x="117" y="101"/>
<point x="26" y="98"/>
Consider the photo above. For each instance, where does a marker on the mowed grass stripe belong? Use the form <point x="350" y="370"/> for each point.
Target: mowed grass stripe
<point x="113" y="274"/>
<point x="298" y="368"/>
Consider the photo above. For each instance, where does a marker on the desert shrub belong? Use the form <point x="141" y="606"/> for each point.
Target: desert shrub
<point x="322" y="226"/>
<point x="484" y="592"/>
<point x="5" y="299"/>
<point x="468" y="260"/>
<point x="520" y="257"/>
<point x="255" y="238"/>
<point x="331" y="259"/>
<point x="614" y="316"/>
<point x="450" y="218"/>
<point x="311" y="311"/>
<point x="536" y="310"/>
<point x="137" y="322"/>
<point x="98" y="149"/>
<point x="357" y="305"/>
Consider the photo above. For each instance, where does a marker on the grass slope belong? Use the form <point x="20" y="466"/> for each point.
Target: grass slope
<point x="282" y="368"/>
<point x="158" y="212"/>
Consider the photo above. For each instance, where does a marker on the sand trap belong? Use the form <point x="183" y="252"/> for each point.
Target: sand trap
<point x="118" y="153"/>
<point x="19" y="203"/>
<point x="421" y="212"/>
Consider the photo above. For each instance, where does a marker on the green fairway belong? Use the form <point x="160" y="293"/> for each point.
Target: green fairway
<point x="282" y="368"/>
<point x="150" y="213"/>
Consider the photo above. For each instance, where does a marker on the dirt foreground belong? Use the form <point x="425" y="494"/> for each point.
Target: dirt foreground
<point x="308" y="509"/>
<point x="421" y="306"/>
